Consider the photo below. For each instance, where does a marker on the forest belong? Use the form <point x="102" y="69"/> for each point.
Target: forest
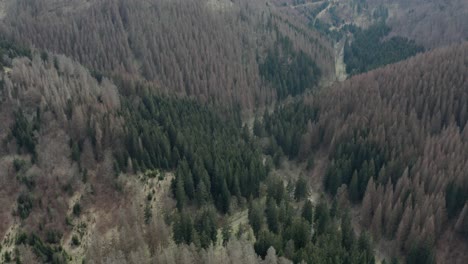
<point x="368" y="50"/>
<point x="290" y="72"/>
<point x="215" y="131"/>
<point x="392" y="135"/>
<point x="224" y="68"/>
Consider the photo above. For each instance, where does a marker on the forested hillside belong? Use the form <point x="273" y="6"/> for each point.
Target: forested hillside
<point x="369" y="34"/>
<point x="58" y="123"/>
<point x="431" y="23"/>
<point x="91" y="175"/>
<point x="214" y="131"/>
<point x="396" y="140"/>
<point x="207" y="51"/>
<point x="370" y="49"/>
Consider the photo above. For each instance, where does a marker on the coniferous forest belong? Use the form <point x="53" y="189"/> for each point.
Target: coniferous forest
<point x="218" y="131"/>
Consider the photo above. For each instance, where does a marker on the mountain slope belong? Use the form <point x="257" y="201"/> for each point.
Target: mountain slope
<point x="397" y="141"/>
<point x="184" y="47"/>
<point x="430" y="23"/>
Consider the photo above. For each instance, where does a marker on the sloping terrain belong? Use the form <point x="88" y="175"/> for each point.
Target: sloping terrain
<point x="122" y="138"/>
<point x="209" y="50"/>
<point x="431" y="23"/>
<point x="397" y="144"/>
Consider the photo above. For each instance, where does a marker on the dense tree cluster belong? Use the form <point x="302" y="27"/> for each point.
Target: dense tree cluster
<point x="10" y="50"/>
<point x="354" y="162"/>
<point x="45" y="252"/>
<point x="213" y="157"/>
<point x="290" y="72"/>
<point x="186" y="47"/>
<point x="287" y="124"/>
<point x="368" y="50"/>
<point x="313" y="235"/>
<point x="23" y="132"/>
<point x="77" y="147"/>
<point x="201" y="230"/>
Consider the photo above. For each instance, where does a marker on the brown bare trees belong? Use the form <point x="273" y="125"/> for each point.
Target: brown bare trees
<point x="185" y="47"/>
<point x="415" y="111"/>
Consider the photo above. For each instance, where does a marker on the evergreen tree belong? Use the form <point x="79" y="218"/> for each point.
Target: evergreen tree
<point x="348" y="236"/>
<point x="365" y="245"/>
<point x="308" y="211"/>
<point x="201" y="195"/>
<point x="353" y="188"/>
<point x="180" y="193"/>
<point x="322" y="217"/>
<point x="421" y="254"/>
<point x="272" y="216"/>
<point x="300" y="192"/>
<point x="376" y="225"/>
<point x="265" y="240"/>
<point x="256" y="217"/>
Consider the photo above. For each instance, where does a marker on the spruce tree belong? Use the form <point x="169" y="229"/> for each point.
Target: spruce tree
<point x="308" y="211"/>
<point x="301" y="191"/>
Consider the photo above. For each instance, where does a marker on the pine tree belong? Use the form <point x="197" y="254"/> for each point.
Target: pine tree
<point x="301" y="232"/>
<point x="354" y="188"/>
<point x="266" y="240"/>
<point x="189" y="185"/>
<point x="348" y="236"/>
<point x="376" y="225"/>
<point x="308" y="211"/>
<point x="462" y="222"/>
<point x="201" y="195"/>
<point x="272" y="216"/>
<point x="365" y="245"/>
<point x="366" y="209"/>
<point x="225" y="198"/>
<point x="276" y="190"/>
<point x="420" y="253"/>
<point x="75" y="152"/>
<point x="227" y="230"/>
<point x="394" y="219"/>
<point x="180" y="193"/>
<point x="322" y="217"/>
<point x="301" y="190"/>
<point x="256" y="217"/>
<point x="404" y="226"/>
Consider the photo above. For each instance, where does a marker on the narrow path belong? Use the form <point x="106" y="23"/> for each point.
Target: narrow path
<point x="322" y="12"/>
<point x="307" y="4"/>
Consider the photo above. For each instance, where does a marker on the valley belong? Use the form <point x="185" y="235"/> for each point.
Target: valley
<point x="233" y="131"/>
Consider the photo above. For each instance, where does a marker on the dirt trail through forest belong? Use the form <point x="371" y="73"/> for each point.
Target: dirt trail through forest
<point x="308" y="4"/>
